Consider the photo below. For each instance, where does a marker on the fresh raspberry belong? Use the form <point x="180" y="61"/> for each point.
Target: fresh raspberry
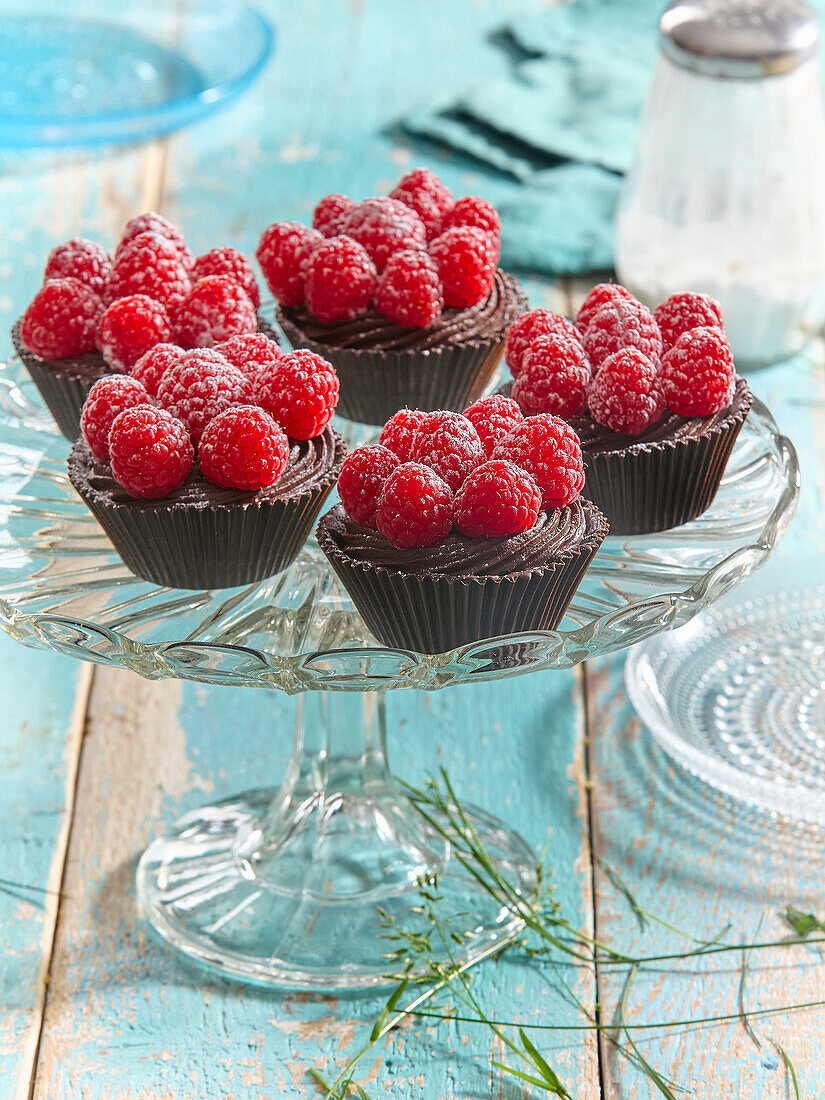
<point x="554" y="377"/>
<point x="108" y="397"/>
<point x="213" y="310"/>
<point x="151" y="452"/>
<point x="61" y="319"/>
<point x="681" y="312"/>
<point x="361" y="480"/>
<point x="198" y="388"/>
<point x="384" y="226"/>
<point x="416" y="507"/>
<point x="599" y="296"/>
<point x="80" y="259"/>
<point x="300" y="392"/>
<point x="152" y="222"/>
<point x="153" y="364"/>
<point x="250" y="353"/>
<point x="548" y="448"/>
<point x="129" y="327"/>
<point x="399" y="433"/>
<point x="624" y="394"/>
<point x="243" y="448"/>
<point x="697" y="374"/>
<point x="497" y="499"/>
<point x="449" y="444"/>
<point x="527" y="328"/>
<point x="231" y="262"/>
<point x="409" y="290"/>
<point x="424" y="193"/>
<point x="466" y="261"/>
<point x="283" y="252"/>
<point x="622" y="325"/>
<point x="331" y="213"/>
<point x="472" y="210"/>
<point x="493" y="417"/>
<point x="340" y="280"/>
<point x="151" y="265"/>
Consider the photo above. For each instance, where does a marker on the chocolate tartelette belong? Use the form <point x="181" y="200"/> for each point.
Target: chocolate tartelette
<point x="402" y="294"/>
<point x="239" y="512"/>
<point x="430" y="569"/>
<point x="96" y="315"/>
<point x="653" y="397"/>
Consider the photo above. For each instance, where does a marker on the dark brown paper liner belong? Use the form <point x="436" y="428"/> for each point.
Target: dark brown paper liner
<point x="63" y="384"/>
<point x="205" y="546"/>
<point x="375" y="383"/>
<point x="434" y="613"/>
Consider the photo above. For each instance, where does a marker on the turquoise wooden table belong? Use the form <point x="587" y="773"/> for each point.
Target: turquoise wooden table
<point x="95" y="761"/>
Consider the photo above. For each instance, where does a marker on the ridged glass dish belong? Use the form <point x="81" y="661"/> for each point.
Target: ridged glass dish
<point x="287" y="886"/>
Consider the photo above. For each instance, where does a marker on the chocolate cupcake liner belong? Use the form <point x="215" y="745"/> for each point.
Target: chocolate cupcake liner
<point x="434" y="613"/>
<point x="653" y="487"/>
<point x="375" y="383"/>
<point x="62" y="386"/>
<point x="202" y="546"/>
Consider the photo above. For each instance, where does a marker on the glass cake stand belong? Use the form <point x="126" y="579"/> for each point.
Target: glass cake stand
<point x="287" y="886"/>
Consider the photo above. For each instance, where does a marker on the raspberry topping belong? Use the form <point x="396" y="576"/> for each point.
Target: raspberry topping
<point x="361" y="480"/>
<point x="599" y="296"/>
<point x="198" y="388"/>
<point x="493" y="417"/>
<point x="107" y="398"/>
<point x="129" y="327"/>
<point x="384" y="226"/>
<point x="449" y="444"/>
<point x="300" y="392"/>
<point x="409" y="290"/>
<point x="466" y="260"/>
<point x="548" y="448"/>
<point x="340" y="280"/>
<point x="250" y="353"/>
<point x="151" y="222"/>
<point x="416" y="507"/>
<point x="399" y="433"/>
<point x="80" y="259"/>
<point x="149" y="264"/>
<point x="243" y="448"/>
<point x="497" y="499"/>
<point x="213" y="310"/>
<point x="472" y="210"/>
<point x="681" y="312"/>
<point x="152" y="366"/>
<point x="624" y="395"/>
<point x="622" y="325"/>
<point x="61" y="319"/>
<point x="331" y="213"/>
<point x="522" y="332"/>
<point x="283" y="252"/>
<point x="151" y="452"/>
<point x="231" y="262"/>
<point x="697" y="375"/>
<point x="424" y="193"/>
<point x="554" y="377"/>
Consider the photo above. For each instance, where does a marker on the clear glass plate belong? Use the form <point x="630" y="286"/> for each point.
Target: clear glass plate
<point x="96" y="73"/>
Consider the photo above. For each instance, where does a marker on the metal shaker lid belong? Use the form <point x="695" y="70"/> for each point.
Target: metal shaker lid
<point x="739" y="38"/>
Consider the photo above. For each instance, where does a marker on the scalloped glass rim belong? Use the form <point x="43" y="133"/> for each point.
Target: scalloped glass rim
<point x="309" y="636"/>
<point x="141" y="123"/>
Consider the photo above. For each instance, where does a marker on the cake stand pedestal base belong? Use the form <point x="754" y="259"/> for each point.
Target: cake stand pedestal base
<point x="295" y="887"/>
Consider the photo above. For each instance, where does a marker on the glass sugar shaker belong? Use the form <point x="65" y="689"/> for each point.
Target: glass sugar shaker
<point x="726" y="195"/>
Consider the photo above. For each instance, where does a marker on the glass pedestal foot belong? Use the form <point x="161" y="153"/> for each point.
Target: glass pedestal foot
<point x="295" y="887"/>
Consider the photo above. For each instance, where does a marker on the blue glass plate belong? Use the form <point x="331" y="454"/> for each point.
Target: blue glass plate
<point x="109" y="76"/>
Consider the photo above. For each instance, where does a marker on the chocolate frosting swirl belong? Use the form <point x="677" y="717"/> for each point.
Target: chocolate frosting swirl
<point x="554" y="533"/>
<point x="488" y="319"/>
<point x="310" y="463"/>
